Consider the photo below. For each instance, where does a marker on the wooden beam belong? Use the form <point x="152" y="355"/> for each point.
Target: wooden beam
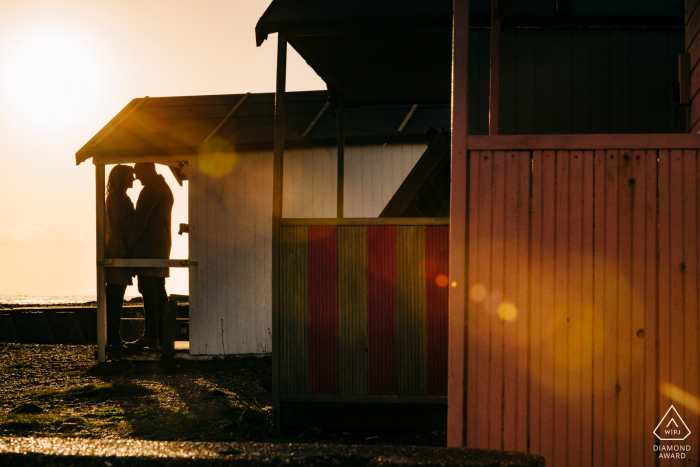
<point x="100" y="249"/>
<point x="341" y="154"/>
<point x="360" y="221"/>
<point x="363" y="399"/>
<point x="157" y="158"/>
<point x="583" y="142"/>
<point x="408" y="118"/>
<point x="228" y="115"/>
<point x="193" y="238"/>
<point x="495" y="85"/>
<point x="316" y="119"/>
<point x="277" y="183"/>
<point x="146" y="263"/>
<point x="458" y="228"/>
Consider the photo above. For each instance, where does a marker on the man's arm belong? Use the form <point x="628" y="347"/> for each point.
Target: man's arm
<point x="148" y="200"/>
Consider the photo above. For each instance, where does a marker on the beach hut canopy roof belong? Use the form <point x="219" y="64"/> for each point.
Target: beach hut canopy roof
<point x="400" y="51"/>
<point x="180" y="125"/>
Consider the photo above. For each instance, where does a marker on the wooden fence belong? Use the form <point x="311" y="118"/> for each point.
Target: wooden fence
<point x="363" y="308"/>
<point x="582" y="302"/>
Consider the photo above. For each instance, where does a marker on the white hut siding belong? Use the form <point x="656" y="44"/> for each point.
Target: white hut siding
<point x="231" y="225"/>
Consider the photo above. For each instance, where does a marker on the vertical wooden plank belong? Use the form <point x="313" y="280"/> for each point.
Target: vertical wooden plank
<point x="624" y="318"/>
<point x="397" y="174"/>
<point x="306" y="200"/>
<point x="323" y="310"/>
<point x="294" y="310"/>
<point x="677" y="272"/>
<point x="353" y="174"/>
<point x="367" y="194"/>
<point x="548" y="271"/>
<point x="588" y="310"/>
<point x="507" y="311"/>
<point x="600" y="81"/>
<point x="194" y="232"/>
<point x="482" y="331"/>
<point x="330" y="206"/>
<point x="640" y="69"/>
<point x="277" y="190"/>
<point x="265" y="229"/>
<point x="535" y="445"/>
<point x="203" y="268"/>
<point x="525" y="82"/>
<point x="619" y="81"/>
<point x="248" y="254"/>
<point x="496" y="299"/>
<point x="292" y="187"/>
<point x="237" y="303"/>
<point x="598" y="311"/>
<point x="473" y="299"/>
<point x="690" y="287"/>
<point x="381" y="311"/>
<point x="638" y="265"/>
<point x="232" y="198"/>
<point x="100" y="253"/>
<point x="221" y="267"/>
<point x="213" y="314"/>
<point x="651" y="304"/>
<point x="523" y="318"/>
<point x="340" y="159"/>
<point x="575" y="309"/>
<point x="436" y="290"/>
<point x="411" y="310"/>
<point x="318" y="180"/>
<point x="352" y="309"/>
<point x="610" y="308"/>
<point x="561" y="88"/>
<point x="377" y="178"/>
<point x="543" y="84"/>
<point x="663" y="319"/>
<point x="388" y="189"/>
<point x="581" y="80"/>
<point x="458" y="228"/>
<point x="561" y="324"/>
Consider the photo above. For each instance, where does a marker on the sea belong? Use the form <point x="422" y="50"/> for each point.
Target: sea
<point x="45" y="300"/>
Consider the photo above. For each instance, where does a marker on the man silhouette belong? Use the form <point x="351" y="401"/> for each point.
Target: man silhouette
<point x="149" y="237"/>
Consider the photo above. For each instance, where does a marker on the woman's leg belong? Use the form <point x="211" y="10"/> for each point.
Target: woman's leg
<point x="115" y="301"/>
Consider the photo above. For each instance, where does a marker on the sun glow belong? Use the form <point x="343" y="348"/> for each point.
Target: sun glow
<point x="52" y="79"/>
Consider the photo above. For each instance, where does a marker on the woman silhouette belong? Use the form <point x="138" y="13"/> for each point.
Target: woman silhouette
<point x="120" y="212"/>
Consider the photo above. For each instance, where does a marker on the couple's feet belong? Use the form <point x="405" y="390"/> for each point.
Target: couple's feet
<point x="142" y="343"/>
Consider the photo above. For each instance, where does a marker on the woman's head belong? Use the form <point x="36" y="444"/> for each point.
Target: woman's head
<point x="121" y="177"/>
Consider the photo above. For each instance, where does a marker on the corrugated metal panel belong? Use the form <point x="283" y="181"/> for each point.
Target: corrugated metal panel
<point x="411" y="311"/>
<point x="323" y="310"/>
<point x="381" y="310"/>
<point x="352" y="309"/>
<point x="437" y="243"/>
<point x="294" y="310"/>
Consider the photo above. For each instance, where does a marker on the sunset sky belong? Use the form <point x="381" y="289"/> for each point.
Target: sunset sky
<point x="66" y="68"/>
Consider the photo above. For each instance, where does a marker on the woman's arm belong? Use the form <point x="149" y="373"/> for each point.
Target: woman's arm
<point x="118" y="221"/>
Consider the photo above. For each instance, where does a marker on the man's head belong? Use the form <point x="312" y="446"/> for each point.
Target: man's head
<point x="145" y="171"/>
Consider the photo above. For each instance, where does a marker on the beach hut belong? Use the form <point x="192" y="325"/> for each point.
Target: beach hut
<point x="223" y="146"/>
<point x="573" y="259"/>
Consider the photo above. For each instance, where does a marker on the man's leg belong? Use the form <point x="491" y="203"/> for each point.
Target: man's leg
<point x="152" y="290"/>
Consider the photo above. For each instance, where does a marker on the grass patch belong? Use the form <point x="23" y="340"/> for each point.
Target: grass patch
<point x="98" y="392"/>
<point x="25" y="422"/>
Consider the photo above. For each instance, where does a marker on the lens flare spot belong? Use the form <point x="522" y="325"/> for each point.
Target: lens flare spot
<point x="478" y="293"/>
<point x="507" y="312"/>
<point x="680" y="396"/>
<point x="441" y="280"/>
<point x="453" y="284"/>
<point x="217" y="158"/>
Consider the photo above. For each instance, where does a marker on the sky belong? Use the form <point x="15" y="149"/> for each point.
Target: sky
<point x="66" y="68"/>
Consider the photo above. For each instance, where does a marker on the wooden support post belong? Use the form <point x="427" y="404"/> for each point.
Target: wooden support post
<point x="495" y="85"/>
<point x="193" y="232"/>
<point x="458" y="229"/>
<point x="276" y="215"/>
<point x="341" y="154"/>
<point x="100" y="244"/>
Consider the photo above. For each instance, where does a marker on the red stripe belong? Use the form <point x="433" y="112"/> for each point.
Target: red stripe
<point x="382" y="355"/>
<point x="436" y="291"/>
<point x="323" y="310"/>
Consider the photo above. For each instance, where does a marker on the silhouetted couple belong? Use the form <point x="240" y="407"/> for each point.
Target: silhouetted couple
<point x="143" y="232"/>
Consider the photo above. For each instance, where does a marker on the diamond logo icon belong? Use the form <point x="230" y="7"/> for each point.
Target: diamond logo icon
<point x="672" y="427"/>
